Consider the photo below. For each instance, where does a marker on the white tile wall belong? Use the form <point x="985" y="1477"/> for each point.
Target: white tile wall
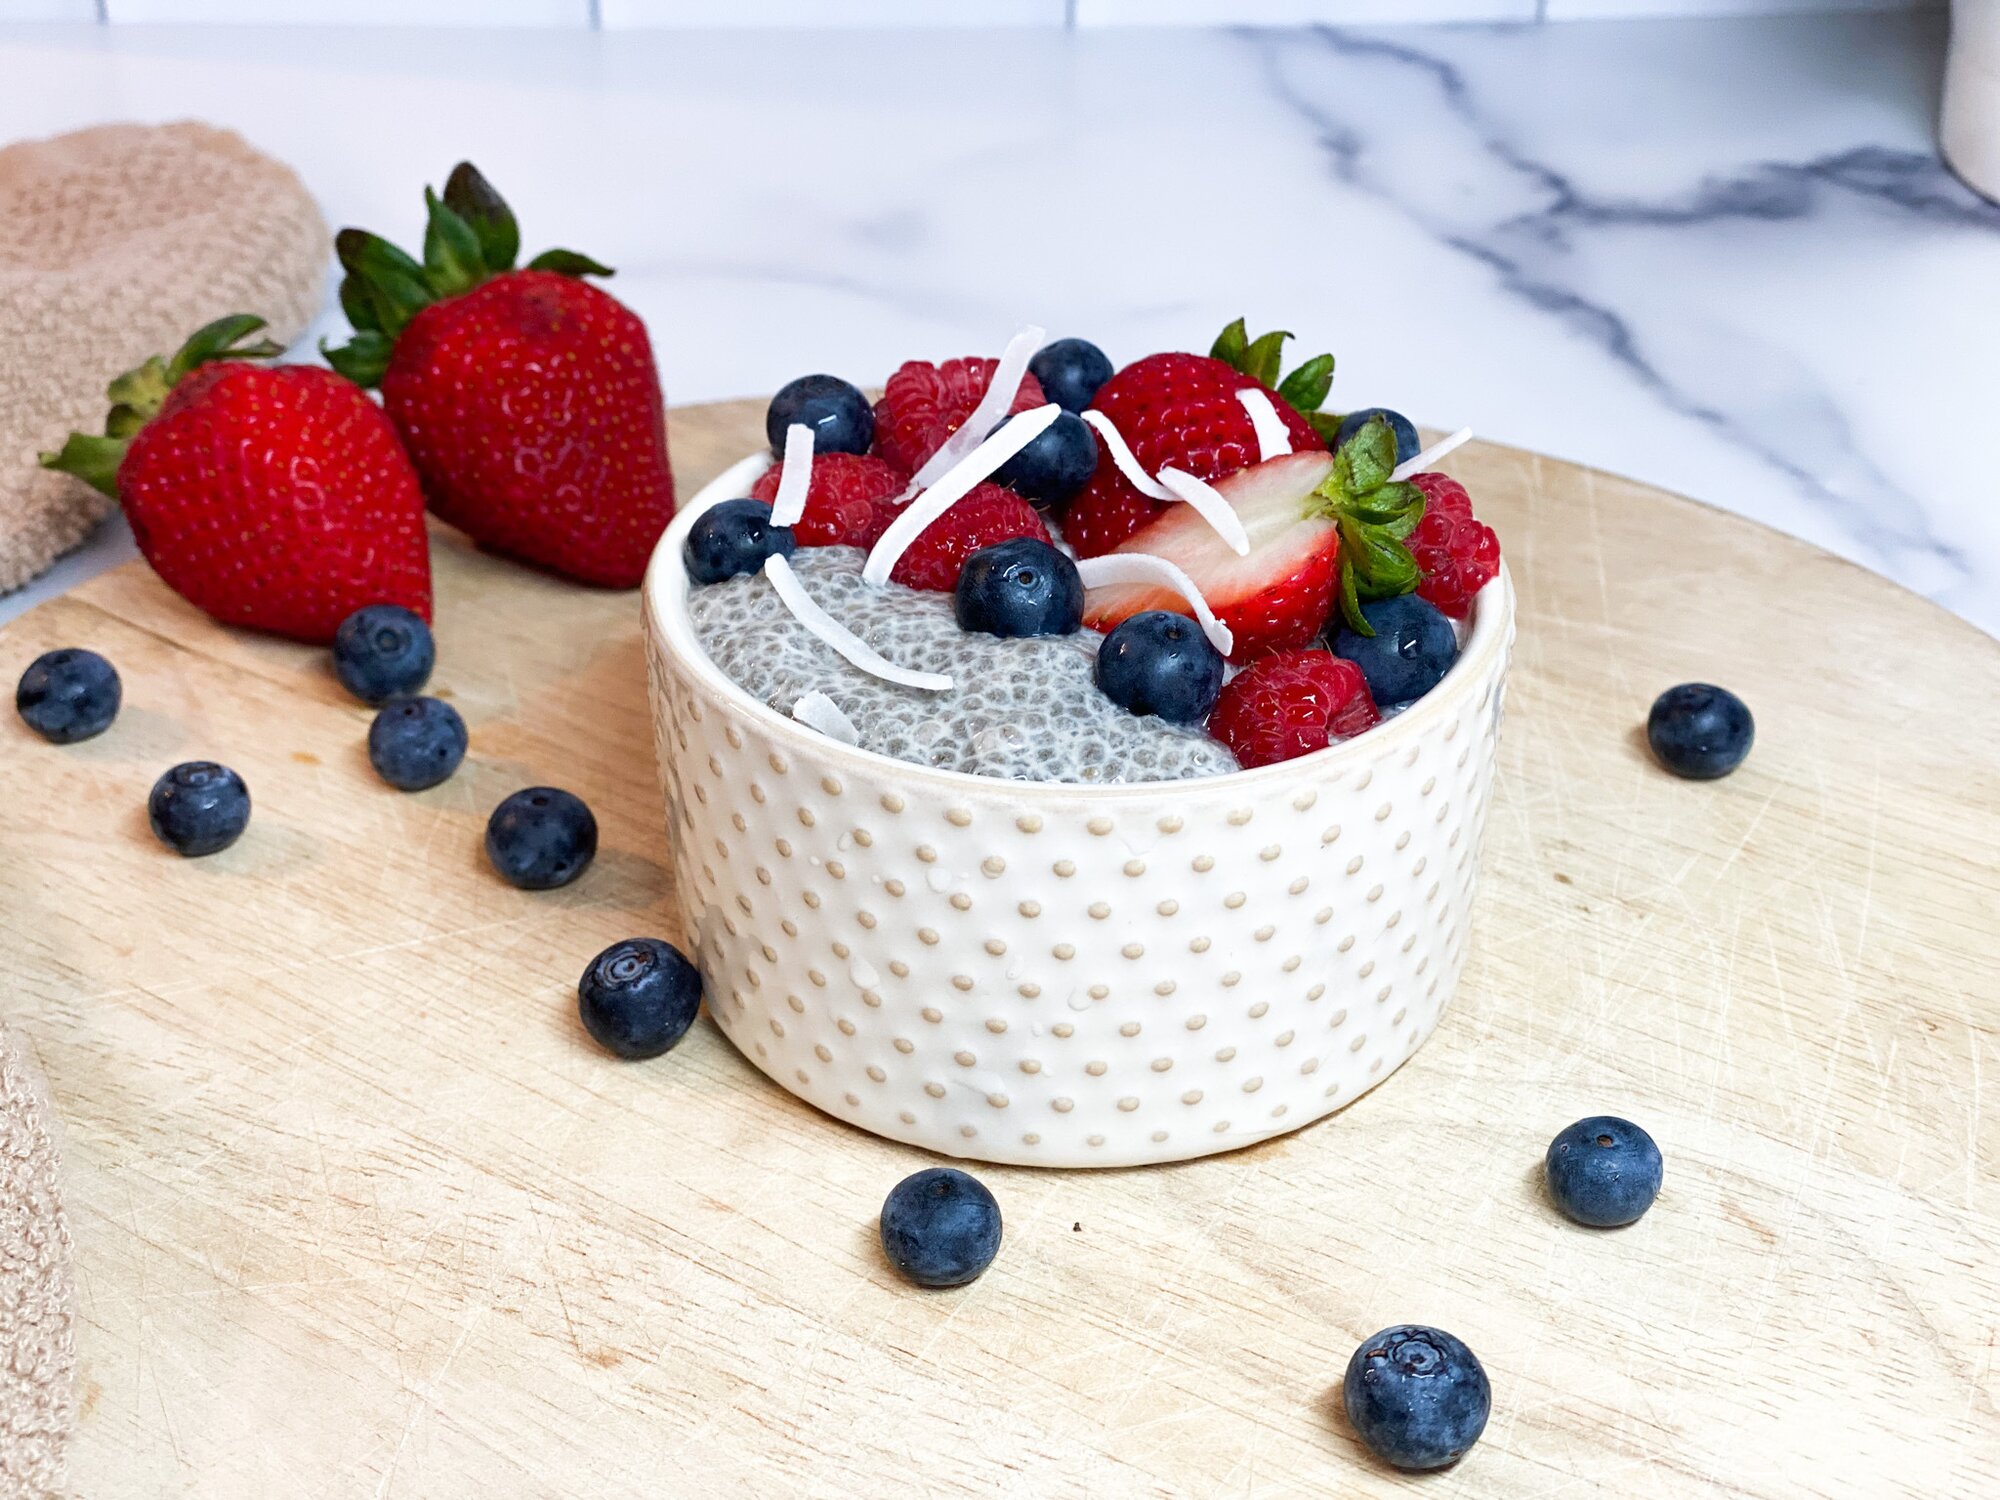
<point x="625" y="13"/>
<point x="357" y="12"/>
<point x="1295" y="12"/>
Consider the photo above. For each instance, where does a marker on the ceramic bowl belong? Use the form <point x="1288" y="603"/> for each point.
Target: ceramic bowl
<point x="1062" y="975"/>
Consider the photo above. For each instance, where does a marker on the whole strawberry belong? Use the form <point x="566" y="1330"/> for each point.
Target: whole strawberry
<point x="528" y="399"/>
<point x="274" y="497"/>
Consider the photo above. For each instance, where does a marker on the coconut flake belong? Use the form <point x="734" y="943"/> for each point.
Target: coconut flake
<point x="1274" y="440"/>
<point x="987" y="415"/>
<point x="1213" y="506"/>
<point x="795" y="478"/>
<point x="1431" y="455"/>
<point x="1144" y="567"/>
<point x="1127" y="461"/>
<point x="817" y="711"/>
<point x="792" y="594"/>
<point x="957" y="483"/>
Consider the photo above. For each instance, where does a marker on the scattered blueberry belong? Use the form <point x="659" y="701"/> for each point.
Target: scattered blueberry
<point x="639" y="997"/>
<point x="1158" y="662"/>
<point x="541" y="838"/>
<point x="839" y="415"/>
<point x="1016" y="588"/>
<point x="416" y="742"/>
<point x="1417" y="1396"/>
<point x="1412" y="648"/>
<point x="383" y="651"/>
<point x="198" y="808"/>
<point x="1071" y="371"/>
<point x="734" y="537"/>
<point x="1407" y="446"/>
<point x="940" y="1227"/>
<point x="1053" y="467"/>
<point x="1699" y="731"/>
<point x="68" y="695"/>
<point x="1603" y="1171"/>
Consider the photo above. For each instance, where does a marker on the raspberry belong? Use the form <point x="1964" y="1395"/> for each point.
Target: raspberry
<point x="1457" y="554"/>
<point x="1291" y="704"/>
<point x="923" y="404"/>
<point x="849" y="503"/>
<point x="1107" y="512"/>
<point x="987" y="515"/>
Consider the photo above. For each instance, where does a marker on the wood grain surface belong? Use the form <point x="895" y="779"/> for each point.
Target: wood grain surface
<point x="359" y="1210"/>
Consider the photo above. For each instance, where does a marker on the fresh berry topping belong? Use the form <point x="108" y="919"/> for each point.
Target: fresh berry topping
<point x="923" y="404"/>
<point x="1071" y="372"/>
<point x="198" y="808"/>
<point x="1291" y="704"/>
<point x="1457" y="555"/>
<point x="840" y="417"/>
<point x="1409" y="653"/>
<point x="850" y="502"/>
<point x="1159" y="662"/>
<point x="940" y="1227"/>
<point x="1407" y="446"/>
<point x="732" y="538"/>
<point x="1603" y="1171"/>
<point x="1019" y="588"/>
<point x="989" y="514"/>
<point x="1417" y="1396"/>
<point x="541" y="838"/>
<point x="639" y="997"/>
<point x="68" y="695"/>
<point x="1055" y="465"/>
<point x="383" y="651"/>
<point x="1104" y="514"/>
<point x="416" y="742"/>
<point x="1699" y="731"/>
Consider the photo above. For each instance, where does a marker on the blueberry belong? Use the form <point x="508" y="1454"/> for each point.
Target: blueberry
<point x="1603" y="1171"/>
<point x="383" y="651"/>
<point x="1417" y="1396"/>
<point x="1407" y="446"/>
<point x="198" y="808"/>
<point x="541" y="838"/>
<point x="940" y="1227"/>
<point x="639" y="997"/>
<point x="840" y="417"/>
<point x="1053" y="467"/>
<point x="1017" y="588"/>
<point x="1412" y="648"/>
<point x="68" y="695"/>
<point x="1699" y="731"/>
<point x="1158" y="662"/>
<point x="1071" y="371"/>
<point x="416" y="742"/>
<point x="734" y="537"/>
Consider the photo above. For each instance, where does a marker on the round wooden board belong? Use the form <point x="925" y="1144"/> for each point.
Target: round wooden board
<point x="360" y="1211"/>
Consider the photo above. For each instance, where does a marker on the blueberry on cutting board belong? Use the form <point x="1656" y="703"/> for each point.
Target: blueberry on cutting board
<point x="541" y="838"/>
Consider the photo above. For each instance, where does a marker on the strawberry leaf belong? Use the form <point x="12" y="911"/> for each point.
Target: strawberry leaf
<point x="363" y="358"/>
<point x="92" y="459"/>
<point x="1230" y="344"/>
<point x="1262" y="358"/>
<point x="1366" y="460"/>
<point x="355" y="302"/>
<point x="1326" y="424"/>
<point x="1350" y="601"/>
<point x="1307" y="386"/>
<point x="395" y="283"/>
<point x="452" y="259"/>
<point x="468" y="194"/>
<point x="1375" y="515"/>
<point x="569" y="263"/>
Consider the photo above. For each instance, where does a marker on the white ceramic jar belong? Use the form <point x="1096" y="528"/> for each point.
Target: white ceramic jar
<point x="1061" y="975"/>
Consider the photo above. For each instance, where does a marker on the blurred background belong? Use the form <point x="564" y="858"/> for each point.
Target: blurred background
<point x="1707" y="243"/>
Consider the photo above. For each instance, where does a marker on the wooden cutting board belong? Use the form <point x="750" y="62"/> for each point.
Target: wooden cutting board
<point x="360" y="1211"/>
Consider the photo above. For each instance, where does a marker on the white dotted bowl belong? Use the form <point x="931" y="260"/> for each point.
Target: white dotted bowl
<point x="1061" y="975"/>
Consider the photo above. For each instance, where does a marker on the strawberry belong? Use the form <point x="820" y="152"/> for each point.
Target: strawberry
<point x="1456" y="554"/>
<point x="1320" y="526"/>
<point x="988" y="514"/>
<point x="528" y="399"/>
<point x="850" y="502"/>
<point x="1181" y="410"/>
<point x="1290" y="704"/>
<point x="923" y="404"/>
<point x="273" y="497"/>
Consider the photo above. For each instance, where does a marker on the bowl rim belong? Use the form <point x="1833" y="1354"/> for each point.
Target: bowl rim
<point x="664" y="594"/>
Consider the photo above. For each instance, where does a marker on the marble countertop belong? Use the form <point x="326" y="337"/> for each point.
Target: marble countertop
<point x="1718" y="255"/>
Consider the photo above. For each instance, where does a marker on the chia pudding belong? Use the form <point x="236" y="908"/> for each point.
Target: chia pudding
<point x="1022" y="709"/>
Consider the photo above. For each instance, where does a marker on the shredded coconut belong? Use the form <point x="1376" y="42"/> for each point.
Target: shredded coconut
<point x="1431" y="455"/>
<point x="817" y="711"/>
<point x="956" y="484"/>
<point x="795" y="478"/>
<point x="1213" y="507"/>
<point x="994" y="405"/>
<point x="1273" y="440"/>
<point x="1122" y="455"/>
<point x="1143" y="567"/>
<point x="793" y="595"/>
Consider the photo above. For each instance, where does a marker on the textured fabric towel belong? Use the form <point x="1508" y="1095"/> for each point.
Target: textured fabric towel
<point x="115" y="244"/>
<point x="37" y="1352"/>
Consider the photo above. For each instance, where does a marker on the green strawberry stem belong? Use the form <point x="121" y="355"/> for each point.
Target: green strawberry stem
<point x="470" y="236"/>
<point x="1375" y="515"/>
<point x="1304" y="390"/>
<point x="137" y="396"/>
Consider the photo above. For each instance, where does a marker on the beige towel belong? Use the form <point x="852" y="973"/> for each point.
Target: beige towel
<point x="37" y="1354"/>
<point x="115" y="244"/>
